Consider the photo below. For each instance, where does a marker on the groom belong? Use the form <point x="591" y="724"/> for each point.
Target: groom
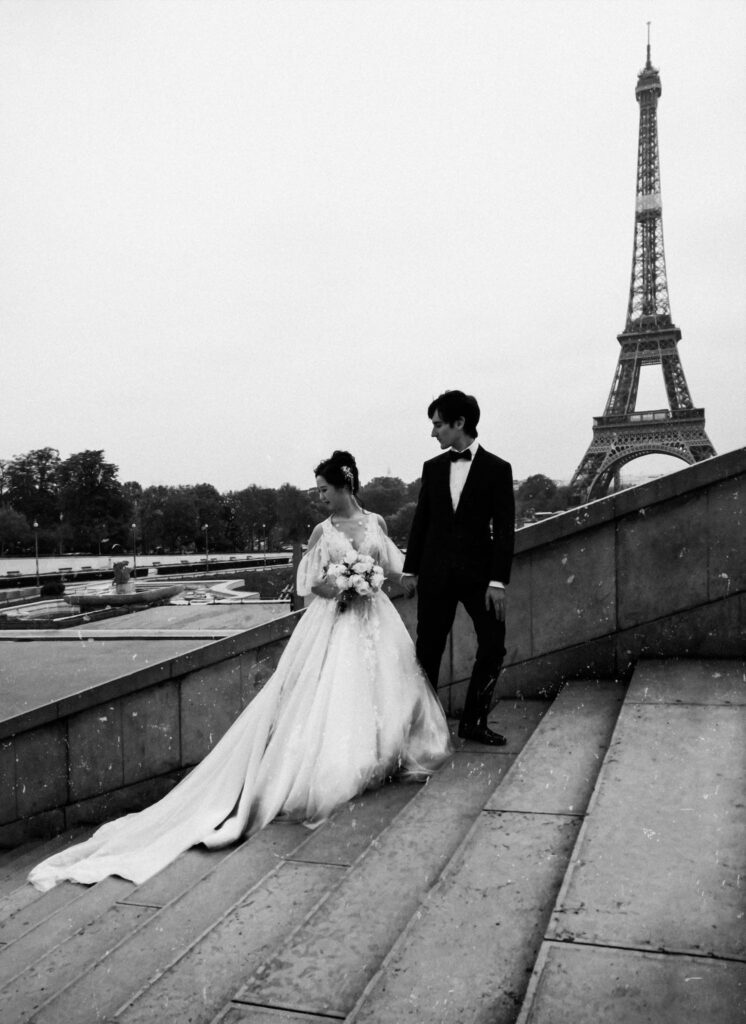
<point x="460" y="549"/>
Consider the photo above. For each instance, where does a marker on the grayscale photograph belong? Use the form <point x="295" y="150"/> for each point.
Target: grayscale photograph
<point x="372" y="512"/>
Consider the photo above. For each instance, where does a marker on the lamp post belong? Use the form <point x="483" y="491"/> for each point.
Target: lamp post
<point x="264" y="541"/>
<point x="205" y="527"/>
<point x="36" y="549"/>
<point x="134" y="549"/>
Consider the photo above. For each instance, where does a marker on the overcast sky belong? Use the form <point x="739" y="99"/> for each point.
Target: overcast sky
<point x="237" y="235"/>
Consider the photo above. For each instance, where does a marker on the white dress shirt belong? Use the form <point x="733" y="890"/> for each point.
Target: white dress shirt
<point x="459" y="473"/>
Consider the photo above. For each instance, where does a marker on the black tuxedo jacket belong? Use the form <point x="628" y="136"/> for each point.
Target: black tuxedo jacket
<point x="476" y="539"/>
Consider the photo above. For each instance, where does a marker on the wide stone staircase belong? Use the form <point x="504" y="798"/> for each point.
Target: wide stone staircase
<point x="591" y="870"/>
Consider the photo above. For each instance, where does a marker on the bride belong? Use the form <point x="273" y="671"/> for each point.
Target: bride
<point x="346" y="708"/>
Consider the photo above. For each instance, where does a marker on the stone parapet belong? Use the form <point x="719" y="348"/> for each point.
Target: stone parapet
<point x="657" y="571"/>
<point x="117" y="746"/>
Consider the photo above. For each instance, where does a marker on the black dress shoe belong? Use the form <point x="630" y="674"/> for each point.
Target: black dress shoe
<point x="483" y="734"/>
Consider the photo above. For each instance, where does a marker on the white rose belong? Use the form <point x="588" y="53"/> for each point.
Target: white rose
<point x="361" y="567"/>
<point x="342" y="583"/>
<point x="362" y="588"/>
<point x="333" y="570"/>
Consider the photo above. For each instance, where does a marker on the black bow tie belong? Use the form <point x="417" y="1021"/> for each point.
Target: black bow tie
<point x="457" y="456"/>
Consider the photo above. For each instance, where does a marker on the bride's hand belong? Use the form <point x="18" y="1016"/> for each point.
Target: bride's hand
<point x="323" y="589"/>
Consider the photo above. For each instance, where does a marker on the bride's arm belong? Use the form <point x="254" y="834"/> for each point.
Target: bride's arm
<point x="315" y="564"/>
<point x="392" y="560"/>
<point x="311" y="567"/>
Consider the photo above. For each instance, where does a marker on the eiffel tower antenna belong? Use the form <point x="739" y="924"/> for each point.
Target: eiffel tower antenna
<point x="649" y="338"/>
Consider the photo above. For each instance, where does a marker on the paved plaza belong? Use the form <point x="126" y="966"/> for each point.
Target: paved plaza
<point x="41" y="666"/>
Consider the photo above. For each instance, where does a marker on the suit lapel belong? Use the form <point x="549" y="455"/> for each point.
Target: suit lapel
<point x="442" y="484"/>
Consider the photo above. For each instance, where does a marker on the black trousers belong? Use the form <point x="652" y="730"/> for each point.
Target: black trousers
<point x="435" y="613"/>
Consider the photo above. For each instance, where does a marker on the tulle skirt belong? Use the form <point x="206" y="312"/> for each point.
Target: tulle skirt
<point x="347" y="707"/>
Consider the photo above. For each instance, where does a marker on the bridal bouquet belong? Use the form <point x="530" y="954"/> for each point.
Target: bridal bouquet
<point x="356" y="576"/>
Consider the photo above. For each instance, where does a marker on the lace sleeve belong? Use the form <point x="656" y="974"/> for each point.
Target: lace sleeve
<point x="311" y="568"/>
<point x="391" y="558"/>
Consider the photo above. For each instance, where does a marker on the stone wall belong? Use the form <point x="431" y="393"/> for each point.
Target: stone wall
<point x="119" y="746"/>
<point x="653" y="571"/>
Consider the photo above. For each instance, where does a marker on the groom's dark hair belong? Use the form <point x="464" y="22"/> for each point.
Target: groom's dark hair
<point x="452" y="405"/>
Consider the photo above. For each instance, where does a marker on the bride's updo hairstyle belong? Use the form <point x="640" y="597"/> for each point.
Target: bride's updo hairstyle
<point x="340" y="471"/>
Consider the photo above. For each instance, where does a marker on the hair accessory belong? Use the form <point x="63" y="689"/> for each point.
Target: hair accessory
<point x="348" y="475"/>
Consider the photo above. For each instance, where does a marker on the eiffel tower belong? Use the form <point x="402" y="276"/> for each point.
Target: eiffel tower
<point x="649" y="338"/>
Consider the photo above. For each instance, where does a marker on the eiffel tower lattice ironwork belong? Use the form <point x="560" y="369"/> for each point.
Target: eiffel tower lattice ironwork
<point x="649" y="338"/>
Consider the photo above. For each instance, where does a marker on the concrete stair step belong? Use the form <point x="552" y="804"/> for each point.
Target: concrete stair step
<point x="16" y="864"/>
<point x="104" y="986"/>
<point x="557" y="770"/>
<point x="259" y="1015"/>
<point x="38" y="934"/>
<point x="119" y="951"/>
<point x="466" y="955"/>
<point x="38" y="965"/>
<point x="326" y="963"/>
<point x="196" y="985"/>
<point x="592" y="984"/>
<point x="72" y="925"/>
<point x="650" y="916"/>
<point x="153" y="925"/>
<point x="9" y="856"/>
<point x="25" y="908"/>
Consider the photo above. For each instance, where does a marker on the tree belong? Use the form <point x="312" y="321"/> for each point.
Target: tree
<point x="180" y="517"/>
<point x="90" y="496"/>
<point x="540" y="494"/>
<point x="133" y="493"/>
<point x="150" y="515"/>
<point x="535" y="494"/>
<point x="384" y="495"/>
<point x="400" y="523"/>
<point x="538" y="489"/>
<point x="254" y="511"/>
<point x="413" y="489"/>
<point x="295" y="513"/>
<point x="31" y="485"/>
<point x="214" y="511"/>
<point x="15" y="532"/>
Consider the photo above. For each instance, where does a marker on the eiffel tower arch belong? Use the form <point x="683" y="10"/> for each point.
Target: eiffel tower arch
<point x="649" y="338"/>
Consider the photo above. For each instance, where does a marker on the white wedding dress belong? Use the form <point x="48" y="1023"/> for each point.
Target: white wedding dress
<point x="347" y="707"/>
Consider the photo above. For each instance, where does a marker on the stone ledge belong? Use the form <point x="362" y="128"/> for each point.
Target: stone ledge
<point x="603" y="510"/>
<point x="715" y="629"/>
<point x="94" y="762"/>
<point x="140" y="679"/>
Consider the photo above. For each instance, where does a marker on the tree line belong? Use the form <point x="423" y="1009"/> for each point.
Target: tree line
<point x="78" y="504"/>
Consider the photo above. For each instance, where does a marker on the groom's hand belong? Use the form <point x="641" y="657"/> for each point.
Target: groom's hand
<point x="408" y="583"/>
<point x="494" y="601"/>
